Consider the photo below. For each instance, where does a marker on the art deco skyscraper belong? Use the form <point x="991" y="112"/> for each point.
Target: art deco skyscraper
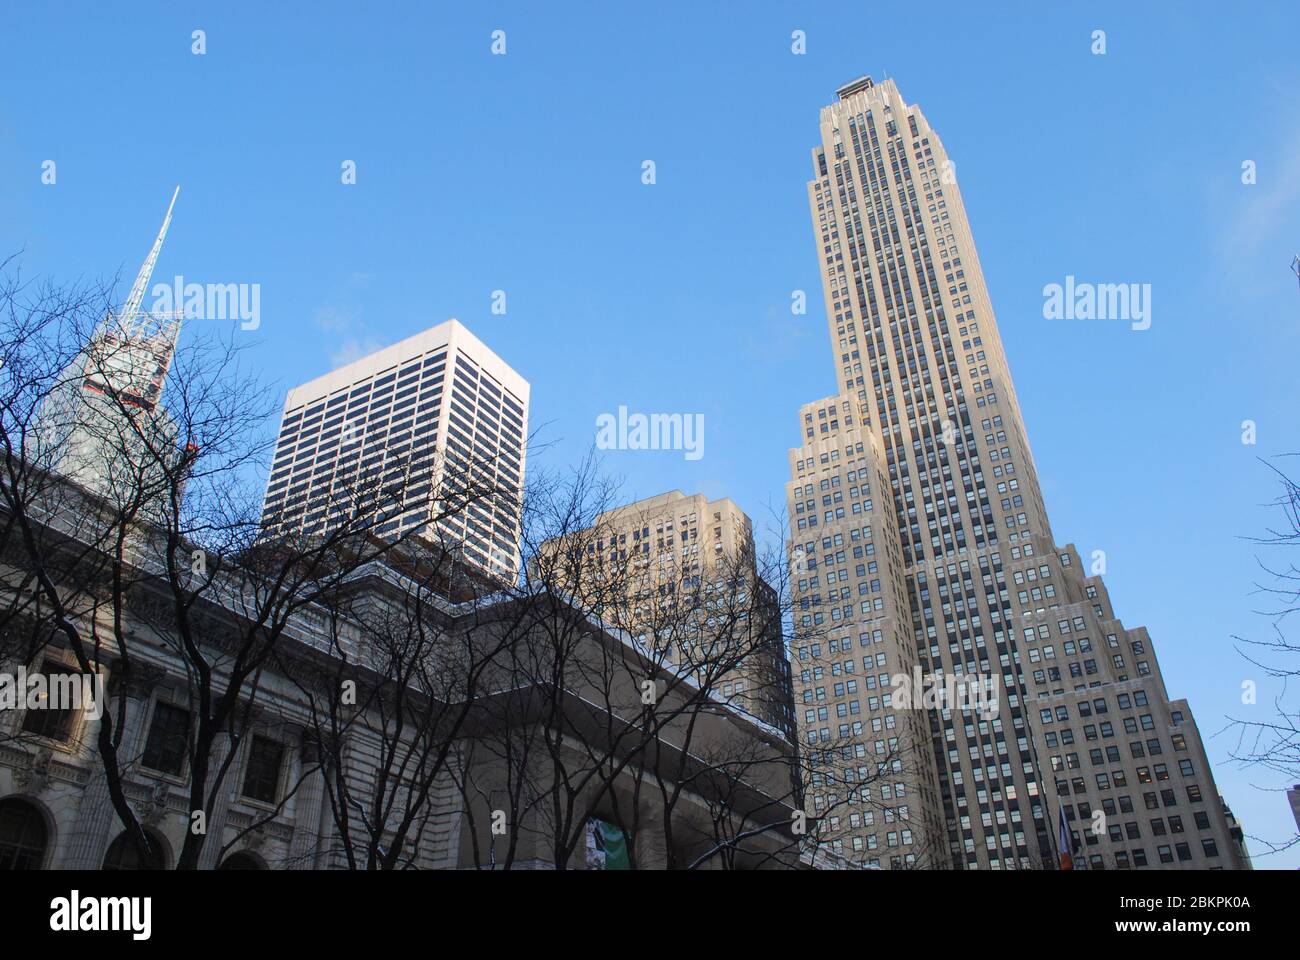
<point x="921" y="546"/>
<point x="403" y="430"/>
<point x="682" y="574"/>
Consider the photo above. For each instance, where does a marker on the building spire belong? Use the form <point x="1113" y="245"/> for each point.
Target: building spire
<point x="131" y="318"/>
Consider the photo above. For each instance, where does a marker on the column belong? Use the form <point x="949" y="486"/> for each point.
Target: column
<point x="97" y="821"/>
<point x="304" y="848"/>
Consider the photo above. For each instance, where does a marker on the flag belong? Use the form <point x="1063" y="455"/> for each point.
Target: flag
<point x="1064" y="840"/>
<point x="606" y="846"/>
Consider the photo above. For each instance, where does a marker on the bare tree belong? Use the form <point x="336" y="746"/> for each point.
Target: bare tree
<point x="1273" y="744"/>
<point x="645" y="702"/>
<point x="130" y="515"/>
<point x="390" y="710"/>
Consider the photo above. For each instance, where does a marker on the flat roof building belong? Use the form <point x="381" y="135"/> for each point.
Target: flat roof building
<point x="402" y="434"/>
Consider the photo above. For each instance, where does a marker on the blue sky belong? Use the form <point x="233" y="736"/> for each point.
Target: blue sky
<point x="523" y="173"/>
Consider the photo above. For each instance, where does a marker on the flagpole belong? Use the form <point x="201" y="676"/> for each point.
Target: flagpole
<point x="1063" y="826"/>
<point x="1054" y="836"/>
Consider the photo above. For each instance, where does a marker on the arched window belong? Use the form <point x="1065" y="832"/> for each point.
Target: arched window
<point x="123" y="854"/>
<point x="23" y="836"/>
<point x="241" y="861"/>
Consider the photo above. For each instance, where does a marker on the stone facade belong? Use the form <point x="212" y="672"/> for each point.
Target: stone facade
<point x="278" y="807"/>
<point x="920" y="537"/>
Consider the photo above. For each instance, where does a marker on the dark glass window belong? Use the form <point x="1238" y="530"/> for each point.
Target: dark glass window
<point x="23" y="837"/>
<point x="123" y="854"/>
<point x="53" y="724"/>
<point x="240" y="861"/>
<point x="262" y="776"/>
<point x="168" y="739"/>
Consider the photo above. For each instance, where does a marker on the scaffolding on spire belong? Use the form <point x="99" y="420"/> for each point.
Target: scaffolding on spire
<point x="132" y="319"/>
<point x="103" y="423"/>
<point x="130" y="355"/>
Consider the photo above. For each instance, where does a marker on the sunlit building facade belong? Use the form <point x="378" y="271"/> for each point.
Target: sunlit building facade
<point x="401" y="433"/>
<point x="920" y="539"/>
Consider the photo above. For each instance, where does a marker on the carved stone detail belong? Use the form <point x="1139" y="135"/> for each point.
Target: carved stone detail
<point x="34" y="775"/>
<point x="155" y="808"/>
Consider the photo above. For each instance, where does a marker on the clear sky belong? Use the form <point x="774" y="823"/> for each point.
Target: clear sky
<point x="522" y="173"/>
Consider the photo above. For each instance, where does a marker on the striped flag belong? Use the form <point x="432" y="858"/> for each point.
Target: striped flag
<point x="1064" y="840"/>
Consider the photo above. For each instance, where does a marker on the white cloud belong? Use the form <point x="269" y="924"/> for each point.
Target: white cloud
<point x="354" y="349"/>
<point x="337" y="319"/>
